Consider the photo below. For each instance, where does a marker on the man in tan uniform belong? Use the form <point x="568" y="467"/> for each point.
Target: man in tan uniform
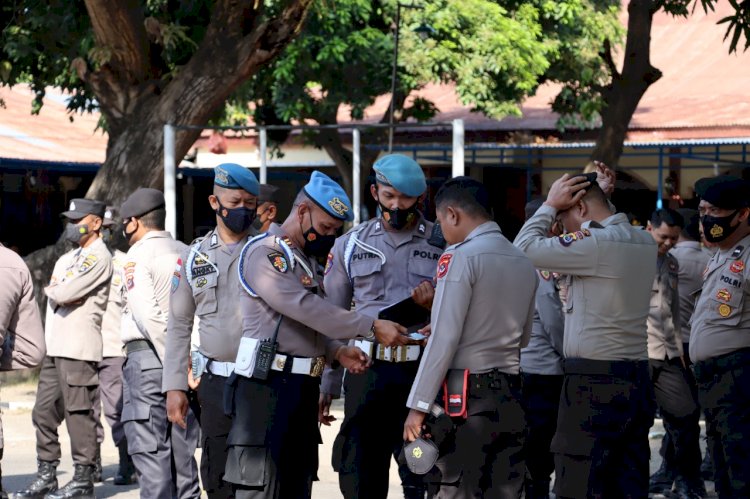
<point x="720" y="333"/>
<point x="21" y="332"/>
<point x="76" y="300"/>
<point x="162" y="453"/>
<point x="286" y="324"/>
<point x="207" y="296"/>
<point x="268" y="207"/>
<point x="378" y="263"/>
<point x="481" y="318"/>
<point x="109" y="392"/>
<point x="606" y="406"/>
<point x="676" y="401"/>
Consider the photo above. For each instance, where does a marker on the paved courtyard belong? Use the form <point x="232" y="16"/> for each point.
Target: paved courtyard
<point x="19" y="462"/>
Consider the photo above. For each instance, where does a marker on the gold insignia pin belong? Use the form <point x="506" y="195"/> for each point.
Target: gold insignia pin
<point x="716" y="231"/>
<point x="338" y="206"/>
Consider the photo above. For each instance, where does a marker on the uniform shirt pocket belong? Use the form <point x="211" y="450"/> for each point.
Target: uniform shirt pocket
<point x="203" y="284"/>
<point x="369" y="284"/>
<point x="422" y="266"/>
<point x="726" y="305"/>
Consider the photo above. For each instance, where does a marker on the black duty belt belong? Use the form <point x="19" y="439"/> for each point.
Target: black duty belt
<point x="494" y="380"/>
<point x="625" y="369"/>
<point x="706" y="369"/>
<point x="137" y="345"/>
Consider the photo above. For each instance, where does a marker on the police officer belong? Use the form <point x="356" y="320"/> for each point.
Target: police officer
<point x="481" y="317"/>
<point x="676" y="401"/>
<point x="21" y="331"/>
<point x="692" y="259"/>
<point x="376" y="264"/>
<point x="268" y="207"/>
<point x="162" y="453"/>
<point x="209" y="289"/>
<point x="541" y="368"/>
<point x="720" y="333"/>
<point x="286" y="322"/>
<point x="109" y="391"/>
<point x="606" y="406"/>
<point x="76" y="300"/>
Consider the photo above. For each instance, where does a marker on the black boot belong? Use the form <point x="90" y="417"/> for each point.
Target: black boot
<point x="45" y="482"/>
<point x="661" y="481"/>
<point x="688" y="489"/>
<point x="97" y="475"/>
<point x="81" y="486"/>
<point x="125" y="471"/>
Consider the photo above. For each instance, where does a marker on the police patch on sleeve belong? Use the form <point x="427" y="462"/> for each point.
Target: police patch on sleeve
<point x="176" y="275"/>
<point x="88" y="262"/>
<point x="571" y="237"/>
<point x="443" y="264"/>
<point x="329" y="264"/>
<point x="129" y="270"/>
<point x="278" y="261"/>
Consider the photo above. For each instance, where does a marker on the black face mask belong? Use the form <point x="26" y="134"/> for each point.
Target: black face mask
<point x="398" y="218"/>
<point x="316" y="244"/>
<point x="258" y="223"/>
<point x="127" y="235"/>
<point x="237" y="220"/>
<point x="106" y="235"/>
<point x="74" y="233"/>
<point x="716" y="229"/>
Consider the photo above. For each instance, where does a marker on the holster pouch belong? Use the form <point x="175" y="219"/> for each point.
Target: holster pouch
<point x="228" y="395"/>
<point x="455" y="391"/>
<point x="421" y="455"/>
<point x="244" y="364"/>
<point x="198" y="363"/>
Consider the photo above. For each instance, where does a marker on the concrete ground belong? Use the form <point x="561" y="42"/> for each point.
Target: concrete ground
<point x="19" y="461"/>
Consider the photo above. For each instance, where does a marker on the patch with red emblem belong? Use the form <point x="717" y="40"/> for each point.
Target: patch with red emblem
<point x="737" y="266"/>
<point x="723" y="295"/>
<point x="443" y="263"/>
<point x="278" y="261"/>
<point x="306" y="280"/>
<point x="329" y="264"/>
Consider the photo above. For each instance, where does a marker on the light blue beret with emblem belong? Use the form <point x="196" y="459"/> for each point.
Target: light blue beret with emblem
<point x="402" y="173"/>
<point x="234" y="176"/>
<point x="330" y="196"/>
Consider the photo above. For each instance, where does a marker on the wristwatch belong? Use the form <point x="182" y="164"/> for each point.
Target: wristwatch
<point x="371" y="336"/>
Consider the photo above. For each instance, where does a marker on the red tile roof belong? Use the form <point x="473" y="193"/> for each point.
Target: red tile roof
<point x="50" y="135"/>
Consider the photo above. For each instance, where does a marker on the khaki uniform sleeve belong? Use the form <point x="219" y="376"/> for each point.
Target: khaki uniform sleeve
<point x="22" y="343"/>
<point x="579" y="257"/>
<point x="284" y="292"/>
<point x="179" y="331"/>
<point x="95" y="269"/>
<point x="145" y="309"/>
<point x="331" y="381"/>
<point x="449" y="309"/>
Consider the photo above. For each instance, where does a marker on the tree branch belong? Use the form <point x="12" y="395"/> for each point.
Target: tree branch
<point x="606" y="55"/>
<point x="119" y="29"/>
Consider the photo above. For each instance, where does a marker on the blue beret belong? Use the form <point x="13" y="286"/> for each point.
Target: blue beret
<point x="402" y="173"/>
<point x="234" y="176"/>
<point x="330" y="196"/>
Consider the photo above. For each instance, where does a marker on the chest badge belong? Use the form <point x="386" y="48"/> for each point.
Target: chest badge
<point x="306" y="280"/>
<point x="723" y="295"/>
<point x="725" y="310"/>
<point x="737" y="266"/>
<point x="201" y="282"/>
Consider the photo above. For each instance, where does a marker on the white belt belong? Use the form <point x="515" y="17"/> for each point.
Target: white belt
<point x="405" y="353"/>
<point x="310" y="366"/>
<point x="220" y="368"/>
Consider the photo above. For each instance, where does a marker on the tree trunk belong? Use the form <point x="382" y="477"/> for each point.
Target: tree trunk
<point x="238" y="42"/>
<point x="627" y="88"/>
